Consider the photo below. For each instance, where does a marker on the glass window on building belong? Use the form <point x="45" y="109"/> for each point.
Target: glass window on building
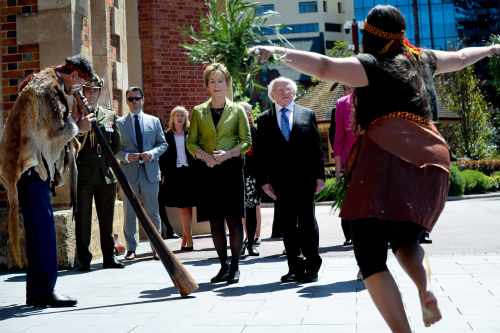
<point x="334" y="27"/>
<point x="434" y="20"/>
<point x="261" y="9"/>
<point x="325" y="6"/>
<point x="308" y="7"/>
<point x="300" y="28"/>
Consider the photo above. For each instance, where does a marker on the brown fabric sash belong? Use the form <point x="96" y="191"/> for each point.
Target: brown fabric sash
<point x="418" y="144"/>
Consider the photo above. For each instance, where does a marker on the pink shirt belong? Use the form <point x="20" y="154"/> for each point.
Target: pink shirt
<point x="344" y="135"/>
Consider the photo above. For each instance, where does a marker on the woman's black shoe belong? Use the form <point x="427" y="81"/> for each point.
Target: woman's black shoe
<point x="253" y="250"/>
<point x="233" y="276"/>
<point x="221" y="276"/>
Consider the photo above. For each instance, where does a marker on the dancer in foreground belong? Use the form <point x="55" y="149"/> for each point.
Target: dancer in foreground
<point x="398" y="170"/>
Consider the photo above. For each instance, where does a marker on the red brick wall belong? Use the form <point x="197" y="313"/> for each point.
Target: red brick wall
<point x="169" y="79"/>
<point x="17" y="61"/>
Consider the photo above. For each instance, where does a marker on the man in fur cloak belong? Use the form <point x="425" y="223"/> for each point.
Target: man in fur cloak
<point x="34" y="152"/>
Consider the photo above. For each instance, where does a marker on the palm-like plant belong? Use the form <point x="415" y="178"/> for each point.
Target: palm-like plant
<point x="224" y="36"/>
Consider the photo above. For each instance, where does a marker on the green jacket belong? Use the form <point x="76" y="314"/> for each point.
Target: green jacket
<point x="92" y="166"/>
<point x="233" y="129"/>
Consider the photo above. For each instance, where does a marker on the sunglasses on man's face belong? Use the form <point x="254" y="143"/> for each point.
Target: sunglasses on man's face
<point x="133" y="99"/>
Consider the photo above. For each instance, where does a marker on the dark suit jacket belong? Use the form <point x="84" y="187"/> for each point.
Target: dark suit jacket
<point x="290" y="167"/>
<point x="168" y="161"/>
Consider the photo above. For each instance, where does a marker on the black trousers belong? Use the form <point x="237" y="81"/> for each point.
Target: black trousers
<point x="104" y="196"/>
<point x="300" y="230"/>
<point x="41" y="249"/>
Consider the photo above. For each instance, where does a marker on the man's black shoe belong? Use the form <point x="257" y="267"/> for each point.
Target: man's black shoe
<point x="291" y="277"/>
<point x="83" y="267"/>
<point x="309" y="277"/>
<point x="113" y="263"/>
<point x="54" y="301"/>
<point x="173" y="236"/>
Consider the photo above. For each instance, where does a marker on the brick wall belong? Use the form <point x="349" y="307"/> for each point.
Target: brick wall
<point x="169" y="79"/>
<point x="17" y="61"/>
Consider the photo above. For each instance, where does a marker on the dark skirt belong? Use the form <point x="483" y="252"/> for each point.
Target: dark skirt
<point x="178" y="188"/>
<point x="220" y="189"/>
<point x="385" y="187"/>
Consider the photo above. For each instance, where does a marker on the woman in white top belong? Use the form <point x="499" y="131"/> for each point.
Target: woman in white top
<point x="176" y="166"/>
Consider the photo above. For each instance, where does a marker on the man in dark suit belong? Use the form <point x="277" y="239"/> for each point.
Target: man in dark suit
<point x="291" y="170"/>
<point x="97" y="181"/>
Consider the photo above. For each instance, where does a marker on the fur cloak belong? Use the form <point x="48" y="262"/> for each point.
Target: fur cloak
<point x="35" y="134"/>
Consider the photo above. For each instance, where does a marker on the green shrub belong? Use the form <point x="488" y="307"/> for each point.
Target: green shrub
<point x="477" y="182"/>
<point x="496" y="178"/>
<point x="457" y="181"/>
<point x="327" y="193"/>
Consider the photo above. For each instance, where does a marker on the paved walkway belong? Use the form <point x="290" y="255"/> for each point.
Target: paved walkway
<point x="141" y="298"/>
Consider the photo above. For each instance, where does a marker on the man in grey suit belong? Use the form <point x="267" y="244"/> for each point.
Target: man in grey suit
<point x="143" y="142"/>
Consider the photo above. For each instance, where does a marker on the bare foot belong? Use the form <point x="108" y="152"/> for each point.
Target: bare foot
<point x="430" y="309"/>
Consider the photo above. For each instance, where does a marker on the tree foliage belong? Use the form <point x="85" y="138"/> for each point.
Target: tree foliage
<point x="340" y="49"/>
<point x="225" y="37"/>
<point x="494" y="65"/>
<point x="460" y="93"/>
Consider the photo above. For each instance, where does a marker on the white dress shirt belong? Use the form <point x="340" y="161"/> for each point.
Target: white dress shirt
<point x="290" y="108"/>
<point x="140" y="113"/>
<point x="141" y="120"/>
<point x="181" y="150"/>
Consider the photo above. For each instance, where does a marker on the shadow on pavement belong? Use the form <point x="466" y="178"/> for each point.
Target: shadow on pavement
<point x="335" y="248"/>
<point x="328" y="290"/>
<point x="19" y="311"/>
<point x="246" y="260"/>
<point x="255" y="289"/>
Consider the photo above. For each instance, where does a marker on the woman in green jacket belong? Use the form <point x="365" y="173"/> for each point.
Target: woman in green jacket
<point x="218" y="136"/>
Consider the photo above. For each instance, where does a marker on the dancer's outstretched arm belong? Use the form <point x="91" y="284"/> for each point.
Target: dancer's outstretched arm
<point x="451" y="61"/>
<point x="345" y="70"/>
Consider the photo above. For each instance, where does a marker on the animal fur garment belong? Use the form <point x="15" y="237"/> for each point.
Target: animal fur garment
<point x="36" y="132"/>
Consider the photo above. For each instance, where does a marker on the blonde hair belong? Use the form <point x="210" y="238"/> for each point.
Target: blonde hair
<point x="178" y="109"/>
<point x="216" y="67"/>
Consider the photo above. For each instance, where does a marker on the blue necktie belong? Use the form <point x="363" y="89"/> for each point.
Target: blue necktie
<point x="285" y="125"/>
<point x="138" y="133"/>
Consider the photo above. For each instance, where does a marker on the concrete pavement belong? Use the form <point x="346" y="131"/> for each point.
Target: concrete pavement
<point x="466" y="269"/>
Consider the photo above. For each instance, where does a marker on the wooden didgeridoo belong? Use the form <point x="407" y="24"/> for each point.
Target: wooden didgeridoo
<point x="181" y="278"/>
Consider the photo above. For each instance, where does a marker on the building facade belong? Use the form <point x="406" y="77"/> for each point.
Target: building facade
<point x="308" y="25"/>
<point x="429" y="23"/>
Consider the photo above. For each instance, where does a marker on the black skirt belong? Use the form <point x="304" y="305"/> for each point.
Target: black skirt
<point x="220" y="189"/>
<point x="178" y="188"/>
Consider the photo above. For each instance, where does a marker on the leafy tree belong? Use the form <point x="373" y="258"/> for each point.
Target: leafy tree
<point x="494" y="65"/>
<point x="494" y="69"/>
<point x="460" y="93"/>
<point x="224" y="36"/>
<point x="340" y="49"/>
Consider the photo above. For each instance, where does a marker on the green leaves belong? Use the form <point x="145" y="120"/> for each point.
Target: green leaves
<point x="460" y="93"/>
<point x="225" y="37"/>
<point x="494" y="65"/>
